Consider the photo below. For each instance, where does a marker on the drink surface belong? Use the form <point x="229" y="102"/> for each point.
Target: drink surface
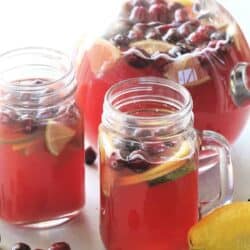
<point x="41" y="160"/>
<point x="173" y="41"/>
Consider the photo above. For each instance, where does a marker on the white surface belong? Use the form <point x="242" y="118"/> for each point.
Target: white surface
<point x="59" y="24"/>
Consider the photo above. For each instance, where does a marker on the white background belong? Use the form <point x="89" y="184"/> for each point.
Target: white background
<point x="61" y="23"/>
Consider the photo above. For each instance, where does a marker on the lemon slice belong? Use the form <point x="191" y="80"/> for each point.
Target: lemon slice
<point x="102" y="55"/>
<point x="226" y="228"/>
<point x="57" y="135"/>
<point x="175" y="162"/>
<point x="152" y="46"/>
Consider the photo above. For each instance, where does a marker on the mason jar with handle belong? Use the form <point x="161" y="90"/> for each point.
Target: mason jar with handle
<point x="151" y="157"/>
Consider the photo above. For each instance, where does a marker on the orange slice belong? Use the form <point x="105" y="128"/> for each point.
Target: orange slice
<point x="187" y="71"/>
<point x="175" y="162"/>
<point x="152" y="46"/>
<point x="227" y="228"/>
<point x="102" y="55"/>
<point x="57" y="135"/>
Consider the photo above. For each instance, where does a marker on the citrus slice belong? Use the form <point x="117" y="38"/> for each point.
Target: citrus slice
<point x="152" y="46"/>
<point x="174" y="162"/>
<point x="226" y="228"/>
<point x="102" y="55"/>
<point x="187" y="71"/>
<point x="18" y="138"/>
<point x="57" y="135"/>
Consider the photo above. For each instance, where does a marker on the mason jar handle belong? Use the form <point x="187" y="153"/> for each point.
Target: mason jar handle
<point x="238" y="83"/>
<point x="215" y="150"/>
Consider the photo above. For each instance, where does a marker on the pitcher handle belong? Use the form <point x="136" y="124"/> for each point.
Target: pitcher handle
<point x="215" y="150"/>
<point x="239" y="90"/>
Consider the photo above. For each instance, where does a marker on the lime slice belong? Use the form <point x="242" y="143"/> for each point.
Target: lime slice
<point x="57" y="135"/>
<point x="152" y="46"/>
<point x="174" y="162"/>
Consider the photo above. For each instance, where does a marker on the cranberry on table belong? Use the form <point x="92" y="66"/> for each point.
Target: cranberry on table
<point x="90" y="156"/>
<point x="158" y="12"/>
<point x="139" y="14"/>
<point x="60" y="246"/>
<point x="21" y="246"/>
<point x="181" y="16"/>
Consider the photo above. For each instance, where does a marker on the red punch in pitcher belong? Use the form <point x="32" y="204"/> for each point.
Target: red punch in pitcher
<point x="194" y="43"/>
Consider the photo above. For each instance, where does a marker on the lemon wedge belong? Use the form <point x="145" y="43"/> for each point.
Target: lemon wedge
<point x="152" y="46"/>
<point x="174" y="162"/>
<point x="226" y="228"/>
<point x="102" y="55"/>
<point x="57" y="135"/>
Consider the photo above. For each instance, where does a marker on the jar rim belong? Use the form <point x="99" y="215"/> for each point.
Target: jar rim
<point x="39" y="50"/>
<point x="177" y="115"/>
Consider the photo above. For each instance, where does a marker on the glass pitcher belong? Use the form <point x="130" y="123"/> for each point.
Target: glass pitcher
<point x="194" y="43"/>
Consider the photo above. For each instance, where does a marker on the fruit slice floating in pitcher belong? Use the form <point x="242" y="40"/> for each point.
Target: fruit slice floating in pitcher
<point x="57" y="135"/>
<point x="102" y="55"/>
<point x="175" y="162"/>
<point x="227" y="228"/>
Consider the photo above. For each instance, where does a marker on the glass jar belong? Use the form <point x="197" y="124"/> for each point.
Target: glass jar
<point x="196" y="43"/>
<point x="41" y="139"/>
<point x="149" y="162"/>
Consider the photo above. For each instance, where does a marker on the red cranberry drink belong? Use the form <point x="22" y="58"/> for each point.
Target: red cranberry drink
<point x="190" y="44"/>
<point x="41" y="139"/>
<point x="149" y="166"/>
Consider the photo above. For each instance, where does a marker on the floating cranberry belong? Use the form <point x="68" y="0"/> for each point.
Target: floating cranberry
<point x="139" y="3"/>
<point x="135" y="35"/>
<point x="121" y="40"/>
<point x="138" y="165"/>
<point x="28" y="125"/>
<point x="172" y="36"/>
<point x="196" y="38"/>
<point x="158" y="2"/>
<point x="219" y="35"/>
<point x="188" y="27"/>
<point x="115" y="162"/>
<point x="138" y="61"/>
<point x="5" y="118"/>
<point x="60" y="246"/>
<point x="153" y="34"/>
<point x="90" y="156"/>
<point x="140" y="27"/>
<point x="139" y="14"/>
<point x="206" y="30"/>
<point x="162" y="29"/>
<point x="181" y="16"/>
<point x="21" y="246"/>
<point x="158" y="12"/>
<point x="175" y="6"/>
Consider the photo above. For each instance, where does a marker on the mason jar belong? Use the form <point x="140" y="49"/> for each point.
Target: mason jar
<point x="41" y="139"/>
<point x="151" y="158"/>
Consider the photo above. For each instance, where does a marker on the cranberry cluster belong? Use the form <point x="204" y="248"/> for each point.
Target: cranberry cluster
<point x="171" y="23"/>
